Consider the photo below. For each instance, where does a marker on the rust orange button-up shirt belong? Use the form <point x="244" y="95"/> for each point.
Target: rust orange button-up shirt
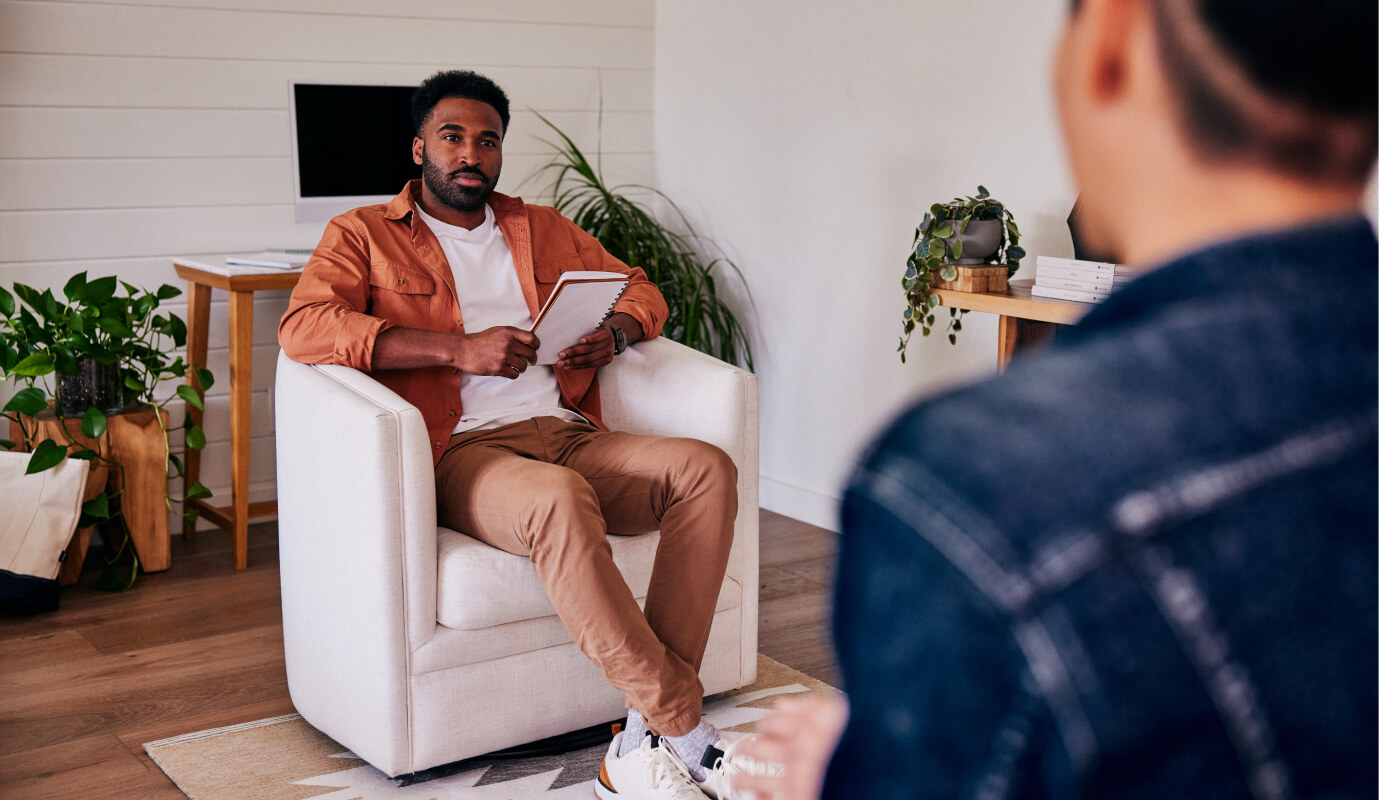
<point x="380" y="266"/>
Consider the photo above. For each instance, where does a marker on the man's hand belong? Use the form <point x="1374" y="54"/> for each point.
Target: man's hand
<point x="503" y="351"/>
<point x="596" y="349"/>
<point x="800" y="735"/>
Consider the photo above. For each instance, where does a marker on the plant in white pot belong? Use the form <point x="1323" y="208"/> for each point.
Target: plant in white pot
<point x="966" y="231"/>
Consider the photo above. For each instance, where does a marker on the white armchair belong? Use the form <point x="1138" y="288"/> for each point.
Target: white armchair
<point x="367" y="574"/>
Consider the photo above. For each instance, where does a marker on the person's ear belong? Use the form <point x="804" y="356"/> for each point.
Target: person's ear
<point x="1111" y="40"/>
<point x="418" y="148"/>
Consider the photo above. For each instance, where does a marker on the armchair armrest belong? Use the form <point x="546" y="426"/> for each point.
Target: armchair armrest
<point x="357" y="545"/>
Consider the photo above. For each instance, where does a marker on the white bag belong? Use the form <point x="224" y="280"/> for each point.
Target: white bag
<point x="38" y="515"/>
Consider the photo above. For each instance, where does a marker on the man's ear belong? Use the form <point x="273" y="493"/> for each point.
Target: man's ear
<point x="418" y="147"/>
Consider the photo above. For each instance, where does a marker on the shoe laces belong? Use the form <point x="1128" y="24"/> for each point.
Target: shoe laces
<point x="666" y="770"/>
<point x="732" y="763"/>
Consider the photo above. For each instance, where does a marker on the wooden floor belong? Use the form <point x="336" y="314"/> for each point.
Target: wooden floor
<point x="201" y="646"/>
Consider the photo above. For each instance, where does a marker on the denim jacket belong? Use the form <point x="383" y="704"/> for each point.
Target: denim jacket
<point x="1141" y="564"/>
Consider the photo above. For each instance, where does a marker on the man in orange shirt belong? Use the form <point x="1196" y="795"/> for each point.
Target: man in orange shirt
<point x="434" y="294"/>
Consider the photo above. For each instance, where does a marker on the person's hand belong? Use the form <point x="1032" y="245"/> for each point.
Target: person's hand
<point x="593" y="350"/>
<point x="503" y="351"/>
<point x="800" y="736"/>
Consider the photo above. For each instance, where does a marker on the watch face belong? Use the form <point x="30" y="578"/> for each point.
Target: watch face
<point x="620" y="341"/>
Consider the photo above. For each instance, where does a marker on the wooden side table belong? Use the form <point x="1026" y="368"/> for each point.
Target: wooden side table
<point x="203" y="275"/>
<point x="1025" y="320"/>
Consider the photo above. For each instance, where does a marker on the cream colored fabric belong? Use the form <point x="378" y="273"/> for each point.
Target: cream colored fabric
<point x="368" y="661"/>
<point x="40" y="513"/>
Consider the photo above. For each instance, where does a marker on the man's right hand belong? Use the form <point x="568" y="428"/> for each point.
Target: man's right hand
<point x="503" y="351"/>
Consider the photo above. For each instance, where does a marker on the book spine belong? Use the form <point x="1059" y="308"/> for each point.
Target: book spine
<point x="1064" y="273"/>
<point x="1066" y="294"/>
<point x="1073" y="263"/>
<point x="1090" y="287"/>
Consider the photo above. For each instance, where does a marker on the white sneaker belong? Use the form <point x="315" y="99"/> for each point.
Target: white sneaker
<point x="651" y="772"/>
<point x="723" y="762"/>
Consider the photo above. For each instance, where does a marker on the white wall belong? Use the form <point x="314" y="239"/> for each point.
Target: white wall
<point x="809" y="137"/>
<point x="132" y="131"/>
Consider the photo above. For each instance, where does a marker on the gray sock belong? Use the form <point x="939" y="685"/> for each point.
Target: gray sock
<point x="692" y="746"/>
<point x="633" y="733"/>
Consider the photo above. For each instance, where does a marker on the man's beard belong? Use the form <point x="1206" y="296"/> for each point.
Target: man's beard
<point x="460" y="198"/>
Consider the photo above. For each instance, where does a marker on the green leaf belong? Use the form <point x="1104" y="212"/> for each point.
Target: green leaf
<point x="168" y="292"/>
<point x="28" y="401"/>
<point x="196" y="491"/>
<point x="47" y="455"/>
<point x="34" y="365"/>
<point x="932" y="301"/>
<point x="84" y="454"/>
<point x="75" y="290"/>
<point x="98" y="506"/>
<point x="958" y="251"/>
<point x="953" y="339"/>
<point x="983" y="194"/>
<point x="132" y="384"/>
<point x="6" y="444"/>
<point x="196" y="437"/>
<point x="93" y="423"/>
<point x="101" y="290"/>
<point x="949" y="272"/>
<point x="6" y="302"/>
<point x="189" y="394"/>
<point x="205" y="378"/>
<point x="944" y="231"/>
<point x="906" y="316"/>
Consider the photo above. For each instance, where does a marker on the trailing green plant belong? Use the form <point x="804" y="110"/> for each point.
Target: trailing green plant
<point x="934" y="251"/>
<point x="698" y="316"/>
<point x="43" y="339"/>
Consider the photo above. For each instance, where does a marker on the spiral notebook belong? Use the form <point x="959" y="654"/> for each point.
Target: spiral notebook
<point x="580" y="302"/>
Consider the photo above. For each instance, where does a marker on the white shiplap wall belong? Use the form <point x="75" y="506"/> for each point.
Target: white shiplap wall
<point x="134" y="130"/>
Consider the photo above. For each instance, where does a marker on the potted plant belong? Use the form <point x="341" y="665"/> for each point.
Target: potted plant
<point x="89" y="355"/>
<point x="698" y="316"/>
<point x="966" y="231"/>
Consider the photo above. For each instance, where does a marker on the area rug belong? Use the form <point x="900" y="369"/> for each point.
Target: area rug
<point x="284" y="758"/>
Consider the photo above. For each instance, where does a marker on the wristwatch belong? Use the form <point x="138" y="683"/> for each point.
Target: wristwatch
<point x="620" y="339"/>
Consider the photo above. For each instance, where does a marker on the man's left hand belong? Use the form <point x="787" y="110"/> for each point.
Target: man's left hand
<point x="596" y="349"/>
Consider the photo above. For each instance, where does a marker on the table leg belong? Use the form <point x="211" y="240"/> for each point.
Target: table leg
<point x="1016" y="335"/>
<point x="198" y="320"/>
<point x="241" y="366"/>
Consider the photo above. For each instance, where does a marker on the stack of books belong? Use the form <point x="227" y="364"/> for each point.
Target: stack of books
<point x="1080" y="281"/>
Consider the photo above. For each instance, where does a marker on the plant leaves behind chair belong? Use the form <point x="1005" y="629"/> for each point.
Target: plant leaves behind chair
<point x="699" y="316"/>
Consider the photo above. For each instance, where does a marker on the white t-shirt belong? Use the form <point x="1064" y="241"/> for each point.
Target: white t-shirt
<point x="490" y="295"/>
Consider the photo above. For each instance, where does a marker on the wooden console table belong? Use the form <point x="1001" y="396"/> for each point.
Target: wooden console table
<point x="1024" y="321"/>
<point x="202" y="277"/>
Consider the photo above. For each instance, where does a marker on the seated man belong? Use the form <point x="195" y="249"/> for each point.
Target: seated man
<point x="434" y="293"/>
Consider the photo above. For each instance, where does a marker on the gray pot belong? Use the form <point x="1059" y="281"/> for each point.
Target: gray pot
<point x="95" y="384"/>
<point x="980" y="241"/>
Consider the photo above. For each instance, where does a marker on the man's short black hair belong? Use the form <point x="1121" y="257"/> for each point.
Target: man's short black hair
<point x="457" y="83"/>
<point x="1288" y="83"/>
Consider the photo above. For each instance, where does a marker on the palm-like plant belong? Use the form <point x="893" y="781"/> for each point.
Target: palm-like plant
<point x="698" y="317"/>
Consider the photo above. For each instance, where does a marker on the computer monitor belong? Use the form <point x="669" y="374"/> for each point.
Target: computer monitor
<point x="351" y="146"/>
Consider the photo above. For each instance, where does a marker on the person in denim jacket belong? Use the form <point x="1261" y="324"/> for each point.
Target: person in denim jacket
<point x="1142" y="564"/>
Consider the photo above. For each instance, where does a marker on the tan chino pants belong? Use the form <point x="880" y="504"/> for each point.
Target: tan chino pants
<point x="550" y="490"/>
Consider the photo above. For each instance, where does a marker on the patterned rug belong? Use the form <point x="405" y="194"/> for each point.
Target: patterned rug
<point x="284" y="758"/>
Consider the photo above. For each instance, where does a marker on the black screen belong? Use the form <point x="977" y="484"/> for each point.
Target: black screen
<point x="353" y="140"/>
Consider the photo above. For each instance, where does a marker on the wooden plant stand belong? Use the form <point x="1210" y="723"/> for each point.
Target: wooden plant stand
<point x="977" y="279"/>
<point x="132" y="438"/>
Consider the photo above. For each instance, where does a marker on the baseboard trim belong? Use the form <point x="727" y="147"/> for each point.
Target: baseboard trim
<point x="799" y="503"/>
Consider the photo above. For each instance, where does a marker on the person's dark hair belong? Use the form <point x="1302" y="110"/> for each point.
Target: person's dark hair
<point x="1288" y="83"/>
<point x="457" y="83"/>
